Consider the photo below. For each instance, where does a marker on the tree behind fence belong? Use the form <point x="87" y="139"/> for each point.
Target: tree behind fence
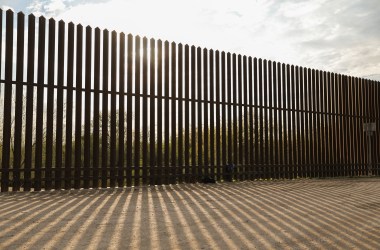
<point x="109" y="109"/>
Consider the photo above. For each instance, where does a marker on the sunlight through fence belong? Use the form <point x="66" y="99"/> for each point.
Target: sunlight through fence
<point x="88" y="108"/>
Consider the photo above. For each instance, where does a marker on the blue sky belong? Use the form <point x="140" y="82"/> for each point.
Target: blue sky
<point x="341" y="36"/>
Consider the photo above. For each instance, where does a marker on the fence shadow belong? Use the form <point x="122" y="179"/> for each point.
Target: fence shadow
<point x="280" y="214"/>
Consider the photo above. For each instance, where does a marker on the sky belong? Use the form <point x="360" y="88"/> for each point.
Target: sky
<point x="341" y="36"/>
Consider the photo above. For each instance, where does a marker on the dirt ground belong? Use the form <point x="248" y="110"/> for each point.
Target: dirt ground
<point x="298" y="214"/>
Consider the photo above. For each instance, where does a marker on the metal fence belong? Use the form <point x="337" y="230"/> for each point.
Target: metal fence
<point x="88" y="108"/>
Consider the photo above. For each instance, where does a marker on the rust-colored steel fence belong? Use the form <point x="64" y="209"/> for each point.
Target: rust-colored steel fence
<point x="89" y="108"/>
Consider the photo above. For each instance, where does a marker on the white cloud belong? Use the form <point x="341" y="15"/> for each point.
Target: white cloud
<point x="55" y="6"/>
<point x="47" y="7"/>
<point x="321" y="34"/>
<point x="6" y="7"/>
<point x="36" y="7"/>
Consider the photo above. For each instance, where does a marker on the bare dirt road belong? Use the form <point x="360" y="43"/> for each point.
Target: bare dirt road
<point x="299" y="214"/>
